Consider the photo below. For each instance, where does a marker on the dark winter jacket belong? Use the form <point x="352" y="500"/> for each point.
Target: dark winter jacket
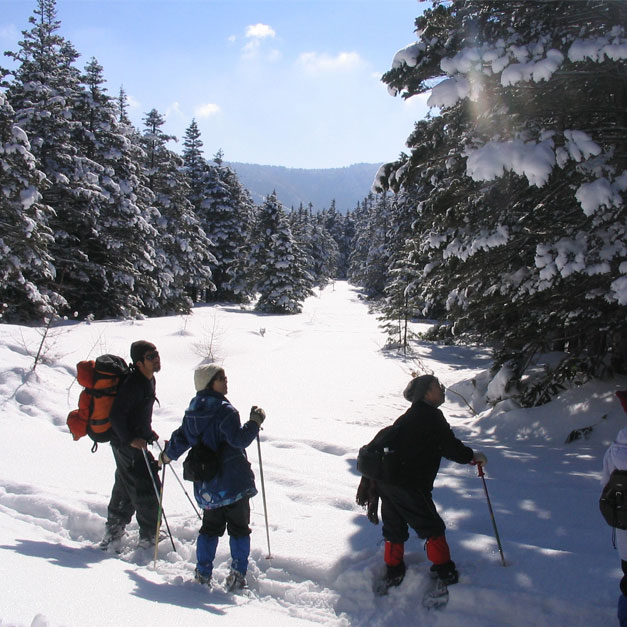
<point x="131" y="412"/>
<point x="212" y="420"/>
<point x="423" y="438"/>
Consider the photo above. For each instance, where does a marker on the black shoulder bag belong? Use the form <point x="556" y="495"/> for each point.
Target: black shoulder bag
<point x="202" y="463"/>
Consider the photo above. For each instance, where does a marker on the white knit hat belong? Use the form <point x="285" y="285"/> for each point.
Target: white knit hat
<point x="204" y="374"/>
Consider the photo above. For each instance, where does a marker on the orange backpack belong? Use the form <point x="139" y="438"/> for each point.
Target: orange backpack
<point x="101" y="380"/>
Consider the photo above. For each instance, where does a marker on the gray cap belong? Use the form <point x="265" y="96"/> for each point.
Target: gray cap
<point x="417" y="388"/>
<point x="205" y="374"/>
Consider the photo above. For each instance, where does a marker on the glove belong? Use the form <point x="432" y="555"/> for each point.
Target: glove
<point x="154" y="437"/>
<point x="162" y="460"/>
<point x="479" y="458"/>
<point x="368" y="498"/>
<point x="257" y="414"/>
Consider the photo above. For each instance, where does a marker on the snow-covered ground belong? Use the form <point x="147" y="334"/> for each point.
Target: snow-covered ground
<point x="327" y="386"/>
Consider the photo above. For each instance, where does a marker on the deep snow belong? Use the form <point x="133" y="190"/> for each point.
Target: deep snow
<point x="327" y="386"/>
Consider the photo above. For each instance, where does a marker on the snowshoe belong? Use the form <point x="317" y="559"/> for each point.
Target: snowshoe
<point x="235" y="581"/>
<point x="436" y="595"/>
<point x="447" y="573"/>
<point x="112" y="540"/>
<point x="394" y="576"/>
<point x="204" y="580"/>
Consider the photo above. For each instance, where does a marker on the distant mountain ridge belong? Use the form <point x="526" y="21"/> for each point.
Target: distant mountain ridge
<point x="293" y="186"/>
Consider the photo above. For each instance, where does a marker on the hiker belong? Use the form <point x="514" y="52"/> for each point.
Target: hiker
<point x="616" y="458"/>
<point x="212" y="421"/>
<point x="423" y="438"/>
<point x="131" y="425"/>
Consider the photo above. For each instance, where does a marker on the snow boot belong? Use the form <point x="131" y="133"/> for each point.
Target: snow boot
<point x="235" y="581"/>
<point x="112" y="539"/>
<point x="446" y="573"/>
<point x="204" y="580"/>
<point x="443" y="567"/>
<point x="394" y="564"/>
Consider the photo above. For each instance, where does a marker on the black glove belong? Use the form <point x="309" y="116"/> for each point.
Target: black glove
<point x="368" y="498"/>
<point x="257" y="414"/>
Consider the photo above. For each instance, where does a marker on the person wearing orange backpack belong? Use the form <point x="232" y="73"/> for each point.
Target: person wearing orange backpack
<point x="131" y="424"/>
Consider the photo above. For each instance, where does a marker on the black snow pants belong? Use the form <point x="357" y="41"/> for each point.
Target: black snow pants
<point x="133" y="492"/>
<point x="402" y="507"/>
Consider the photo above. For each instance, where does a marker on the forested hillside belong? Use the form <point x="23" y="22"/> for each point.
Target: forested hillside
<point x="319" y="187"/>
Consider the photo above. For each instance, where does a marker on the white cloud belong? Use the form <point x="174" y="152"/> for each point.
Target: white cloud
<point x="322" y="62"/>
<point x="259" y="31"/>
<point x="174" y="110"/>
<point x="207" y="110"/>
<point x="256" y="33"/>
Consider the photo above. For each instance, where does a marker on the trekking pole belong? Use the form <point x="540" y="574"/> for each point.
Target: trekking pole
<point x="154" y="485"/>
<point x="263" y="495"/>
<point x="181" y="484"/>
<point x="496" y="532"/>
<point x="159" y="516"/>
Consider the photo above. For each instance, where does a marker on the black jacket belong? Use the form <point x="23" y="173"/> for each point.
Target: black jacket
<point x="423" y="438"/>
<point x="131" y="413"/>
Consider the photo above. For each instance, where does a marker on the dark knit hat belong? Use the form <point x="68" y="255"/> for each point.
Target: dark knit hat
<point x="417" y="388"/>
<point x="139" y="349"/>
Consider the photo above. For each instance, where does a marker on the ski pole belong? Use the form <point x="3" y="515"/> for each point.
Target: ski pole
<point x="263" y="495"/>
<point x="496" y="532"/>
<point x="159" y="516"/>
<point x="154" y="485"/>
<point x="180" y="483"/>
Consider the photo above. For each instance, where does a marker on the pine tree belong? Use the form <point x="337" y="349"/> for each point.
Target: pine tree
<point x="42" y="91"/>
<point x="225" y="214"/>
<point x="369" y="261"/>
<point x="25" y="265"/>
<point x="123" y="248"/>
<point x="336" y="224"/>
<point x="182" y="256"/>
<point x="281" y="278"/>
<point x="522" y="230"/>
<point x="194" y="165"/>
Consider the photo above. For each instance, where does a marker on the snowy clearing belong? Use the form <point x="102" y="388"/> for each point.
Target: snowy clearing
<point x="327" y="386"/>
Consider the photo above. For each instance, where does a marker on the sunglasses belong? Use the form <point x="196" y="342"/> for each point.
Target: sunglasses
<point x="151" y="356"/>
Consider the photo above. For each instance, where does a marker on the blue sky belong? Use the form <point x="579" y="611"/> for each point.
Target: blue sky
<point x="276" y="82"/>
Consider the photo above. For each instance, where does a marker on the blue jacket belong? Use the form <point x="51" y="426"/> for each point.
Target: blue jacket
<point x="212" y="420"/>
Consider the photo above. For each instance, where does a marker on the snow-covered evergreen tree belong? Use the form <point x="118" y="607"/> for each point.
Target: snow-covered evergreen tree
<point x="370" y="259"/>
<point x="281" y="277"/>
<point x="123" y="247"/>
<point x="26" y="267"/>
<point x="43" y="91"/>
<point x="194" y="165"/>
<point x="319" y="247"/>
<point x="182" y="254"/>
<point x="522" y="227"/>
<point x="225" y="213"/>
<point x="336" y="224"/>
